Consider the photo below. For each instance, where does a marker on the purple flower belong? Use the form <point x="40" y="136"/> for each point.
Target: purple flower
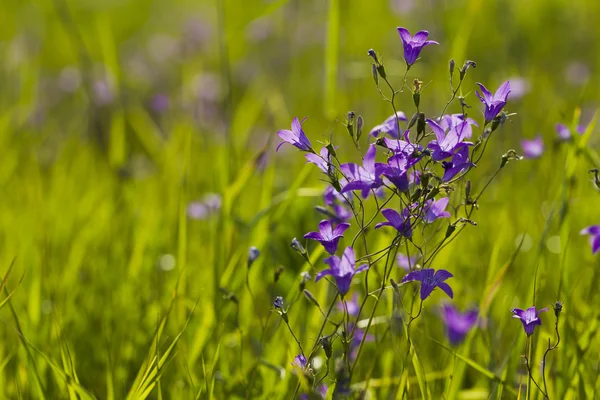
<point x="323" y="160"/>
<point x="295" y="137"/>
<point x="529" y="318"/>
<point x="328" y="236"/>
<point x="493" y="102"/>
<point x="399" y="146"/>
<point x="300" y="361"/>
<point x="365" y="177"/>
<point x="397" y="170"/>
<point x="447" y="143"/>
<point x="405" y="262"/>
<point x="389" y="126"/>
<point x="564" y="133"/>
<point x="357" y="338"/>
<point x="400" y="222"/>
<point x="160" y="103"/>
<point x="202" y="209"/>
<point x="430" y="281"/>
<point x="436" y="209"/>
<point x="581" y="129"/>
<point x="459" y="163"/>
<point x="413" y="44"/>
<point x="458" y="324"/>
<point x="594" y="232"/>
<point x="449" y="121"/>
<point x="278" y="302"/>
<point x="533" y="148"/>
<point x="342" y="270"/>
<point x="352" y="306"/>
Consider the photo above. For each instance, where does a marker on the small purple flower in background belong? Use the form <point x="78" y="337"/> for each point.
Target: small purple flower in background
<point x="533" y="148"/>
<point x="581" y="129"/>
<point x="160" y="103"/>
<point x="328" y="236"/>
<point x="447" y="143"/>
<point x="278" y="302"/>
<point x="323" y="160"/>
<point x="458" y="324"/>
<point x="493" y="102"/>
<point x="300" y="361"/>
<point x="202" y="209"/>
<point x="430" y="280"/>
<point x="564" y="133"/>
<point x="389" y="126"/>
<point x="352" y="306"/>
<point x="594" y="232"/>
<point x="342" y="270"/>
<point x="405" y="262"/>
<point x="400" y="222"/>
<point x="295" y="137"/>
<point x="413" y="44"/>
<point x="529" y="318"/>
<point x="519" y="87"/>
<point x="459" y="163"/>
<point x="365" y="177"/>
<point x="357" y="338"/>
<point x="436" y="209"/>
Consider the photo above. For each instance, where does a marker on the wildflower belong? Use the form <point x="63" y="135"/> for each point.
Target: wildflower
<point x="296" y="245"/>
<point x="400" y="222"/>
<point x="447" y="143"/>
<point x="300" y="361"/>
<point x="519" y="87"/>
<point x="594" y="232"/>
<point x="351" y="305"/>
<point x="356" y="339"/>
<point x="533" y="148"/>
<point x="564" y="133"/>
<point x="295" y="137"/>
<point x="278" y="302"/>
<point x="343" y="270"/>
<point x="327" y="235"/>
<point x="529" y="318"/>
<point x="413" y="44"/>
<point x="436" y="209"/>
<point x="458" y="324"/>
<point x="323" y="160"/>
<point x="430" y="281"/>
<point x="450" y="121"/>
<point x="397" y="170"/>
<point x="202" y="209"/>
<point x="390" y="126"/>
<point x="365" y="177"/>
<point x="460" y="162"/>
<point x="405" y="147"/>
<point x="253" y="254"/>
<point x="493" y="102"/>
<point x="406" y="262"/>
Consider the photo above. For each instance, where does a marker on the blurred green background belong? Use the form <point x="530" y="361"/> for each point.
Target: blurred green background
<point x="116" y="116"/>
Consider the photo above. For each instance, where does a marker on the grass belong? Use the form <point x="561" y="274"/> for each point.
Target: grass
<point x="96" y="183"/>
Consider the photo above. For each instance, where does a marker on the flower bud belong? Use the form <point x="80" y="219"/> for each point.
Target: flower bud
<point x="468" y="188"/>
<point x="327" y="346"/>
<point x="278" y="271"/>
<point x="311" y="298"/>
<point x="450" y="230"/>
<point x="278" y="302"/>
<point x="463" y="70"/>
<point x="509" y="155"/>
<point x="253" y="254"/>
<point x="451" y="68"/>
<point x="416" y="99"/>
<point x="375" y="74"/>
<point x="350" y="123"/>
<point x="395" y="286"/>
<point x="296" y="245"/>
<point x="413" y="120"/>
<point x="373" y="55"/>
<point x="558" y="308"/>
<point x="421" y="124"/>
<point x="304" y="277"/>
<point x="359" y="126"/>
<point x="596" y="179"/>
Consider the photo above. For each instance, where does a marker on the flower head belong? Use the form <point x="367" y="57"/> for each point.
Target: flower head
<point x="533" y="148"/>
<point x="406" y="262"/>
<point x="343" y="270"/>
<point x="436" y="209"/>
<point x="448" y="140"/>
<point x="458" y="324"/>
<point x="400" y="222"/>
<point x="295" y="137"/>
<point x="278" y="302"/>
<point x="390" y="126"/>
<point x="300" y="361"/>
<point x="413" y="44"/>
<point x="460" y="162"/>
<point x="327" y="235"/>
<point x="323" y="160"/>
<point x="529" y="318"/>
<point x="594" y="232"/>
<point x="365" y="177"/>
<point x="564" y="133"/>
<point x="493" y="102"/>
<point x="430" y="280"/>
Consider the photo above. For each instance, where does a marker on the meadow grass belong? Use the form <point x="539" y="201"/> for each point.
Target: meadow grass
<point x="112" y="291"/>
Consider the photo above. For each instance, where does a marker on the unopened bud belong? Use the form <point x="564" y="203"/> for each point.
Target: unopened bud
<point x="327" y="346"/>
<point x="359" y="127"/>
<point x="296" y="245"/>
<point x="509" y="155"/>
<point x="375" y="74"/>
<point x="468" y="188"/>
<point x="421" y="124"/>
<point x="451" y="68"/>
<point x="311" y="298"/>
<point x="304" y="277"/>
<point x="450" y="230"/>
<point x="558" y="306"/>
<point x="253" y="254"/>
<point x="395" y="286"/>
<point x="416" y="99"/>
<point x="278" y="271"/>
<point x="278" y="302"/>
<point x="413" y="120"/>
<point x="464" y="69"/>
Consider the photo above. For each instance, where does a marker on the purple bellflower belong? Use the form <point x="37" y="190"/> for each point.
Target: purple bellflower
<point x="328" y="236"/>
<point x="397" y="170"/>
<point x="365" y="177"/>
<point x="390" y="126"/>
<point x="342" y="270"/>
<point x="405" y="262"/>
<point x="413" y="44"/>
<point x="459" y="163"/>
<point x="564" y="133"/>
<point x="533" y="148"/>
<point x="449" y="121"/>
<point x="295" y="137"/>
<point x="529" y="318"/>
<point x="436" y="209"/>
<point x="400" y="222"/>
<point x="430" y="280"/>
<point x="322" y="160"/>
<point x="594" y="232"/>
<point x="493" y="102"/>
<point x="458" y="324"/>
<point x="300" y="361"/>
<point x="352" y="306"/>
<point x="357" y="338"/>
<point x="447" y="143"/>
<point x="399" y="146"/>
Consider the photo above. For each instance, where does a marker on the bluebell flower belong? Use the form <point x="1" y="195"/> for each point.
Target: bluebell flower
<point x="343" y="270"/>
<point x="430" y="279"/>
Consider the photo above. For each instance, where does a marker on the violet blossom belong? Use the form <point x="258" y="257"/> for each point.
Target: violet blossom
<point x="295" y="137"/>
<point x="564" y="133"/>
<point x="458" y="324"/>
<point x="343" y="270"/>
<point x="430" y="280"/>
<point x="459" y="163"/>
<point x="328" y="236"/>
<point x="533" y="148"/>
<point x="406" y="262"/>
<point x="322" y="160"/>
<point x="594" y="232"/>
<point x="400" y="222"/>
<point x="448" y="141"/>
<point x="493" y="102"/>
<point x="413" y="44"/>
<point x="390" y="126"/>
<point x="436" y="209"/>
<point x="365" y="177"/>
<point x="300" y="361"/>
<point x="529" y="318"/>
